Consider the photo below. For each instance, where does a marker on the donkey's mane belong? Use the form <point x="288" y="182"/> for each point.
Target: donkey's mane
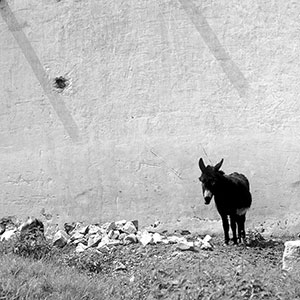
<point x="211" y="169"/>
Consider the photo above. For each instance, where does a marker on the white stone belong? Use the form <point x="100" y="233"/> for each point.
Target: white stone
<point x="183" y="246"/>
<point x="206" y="246"/>
<point x="207" y="238"/>
<point x="175" y="239"/>
<point x="122" y="236"/>
<point x="8" y="234"/>
<point x="165" y="241"/>
<point x="60" y="238"/>
<point x="130" y="238"/>
<point x="94" y="240"/>
<point x="83" y="230"/>
<point x="157" y="238"/>
<point x="78" y="241"/>
<point x="129" y="228"/>
<point x="112" y="226"/>
<point x="94" y="229"/>
<point x="291" y="256"/>
<point x="105" y="241"/>
<point x="80" y="247"/>
<point x="113" y="234"/>
<point x="144" y="237"/>
<point x="104" y="227"/>
<point x="198" y="242"/>
<point x="116" y="234"/>
<point x="110" y="234"/>
<point x="120" y="223"/>
<point x="77" y="235"/>
<point x="203" y="244"/>
<point x="114" y="243"/>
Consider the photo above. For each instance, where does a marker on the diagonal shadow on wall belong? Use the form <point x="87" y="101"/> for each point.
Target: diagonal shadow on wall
<point x="231" y="70"/>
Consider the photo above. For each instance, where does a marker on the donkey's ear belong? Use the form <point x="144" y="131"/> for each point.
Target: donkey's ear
<point x="218" y="165"/>
<point x="202" y="165"/>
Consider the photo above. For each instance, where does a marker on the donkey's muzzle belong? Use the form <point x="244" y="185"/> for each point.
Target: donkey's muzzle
<point x="207" y="196"/>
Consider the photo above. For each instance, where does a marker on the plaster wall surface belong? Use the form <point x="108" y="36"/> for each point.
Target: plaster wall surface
<point x="151" y="87"/>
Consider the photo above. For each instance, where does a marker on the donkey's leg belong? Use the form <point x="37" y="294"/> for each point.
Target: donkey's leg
<point x="225" y="228"/>
<point x="233" y="227"/>
<point x="241" y="227"/>
<point x="243" y="233"/>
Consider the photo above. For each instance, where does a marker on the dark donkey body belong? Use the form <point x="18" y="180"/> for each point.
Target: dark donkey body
<point x="232" y="197"/>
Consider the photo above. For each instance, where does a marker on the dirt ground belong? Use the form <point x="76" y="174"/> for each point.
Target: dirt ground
<point x="164" y="272"/>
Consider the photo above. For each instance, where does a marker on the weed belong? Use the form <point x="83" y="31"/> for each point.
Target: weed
<point x="32" y="245"/>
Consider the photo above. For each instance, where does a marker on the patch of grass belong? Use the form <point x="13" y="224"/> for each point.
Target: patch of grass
<point x="153" y="272"/>
<point x="30" y="279"/>
<point x="90" y="261"/>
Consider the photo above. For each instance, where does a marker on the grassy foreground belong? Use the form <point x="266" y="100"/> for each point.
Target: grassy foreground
<point x="151" y="272"/>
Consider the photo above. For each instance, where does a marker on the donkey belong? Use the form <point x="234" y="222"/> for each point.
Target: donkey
<point x="232" y="197"/>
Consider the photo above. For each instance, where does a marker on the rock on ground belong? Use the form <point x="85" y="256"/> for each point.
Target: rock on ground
<point x="291" y="256"/>
<point x="60" y="238"/>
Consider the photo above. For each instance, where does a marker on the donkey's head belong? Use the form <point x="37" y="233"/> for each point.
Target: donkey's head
<point x="209" y="179"/>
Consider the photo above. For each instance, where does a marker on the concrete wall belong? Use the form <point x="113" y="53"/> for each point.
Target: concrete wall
<point x="151" y="86"/>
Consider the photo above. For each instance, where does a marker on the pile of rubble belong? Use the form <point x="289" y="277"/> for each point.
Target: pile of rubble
<point x="102" y="236"/>
<point x="120" y="233"/>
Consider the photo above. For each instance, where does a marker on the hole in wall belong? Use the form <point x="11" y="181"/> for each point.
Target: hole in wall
<point x="60" y="82"/>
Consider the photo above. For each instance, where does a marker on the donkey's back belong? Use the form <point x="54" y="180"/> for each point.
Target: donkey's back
<point x="239" y="180"/>
<point x="238" y="191"/>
